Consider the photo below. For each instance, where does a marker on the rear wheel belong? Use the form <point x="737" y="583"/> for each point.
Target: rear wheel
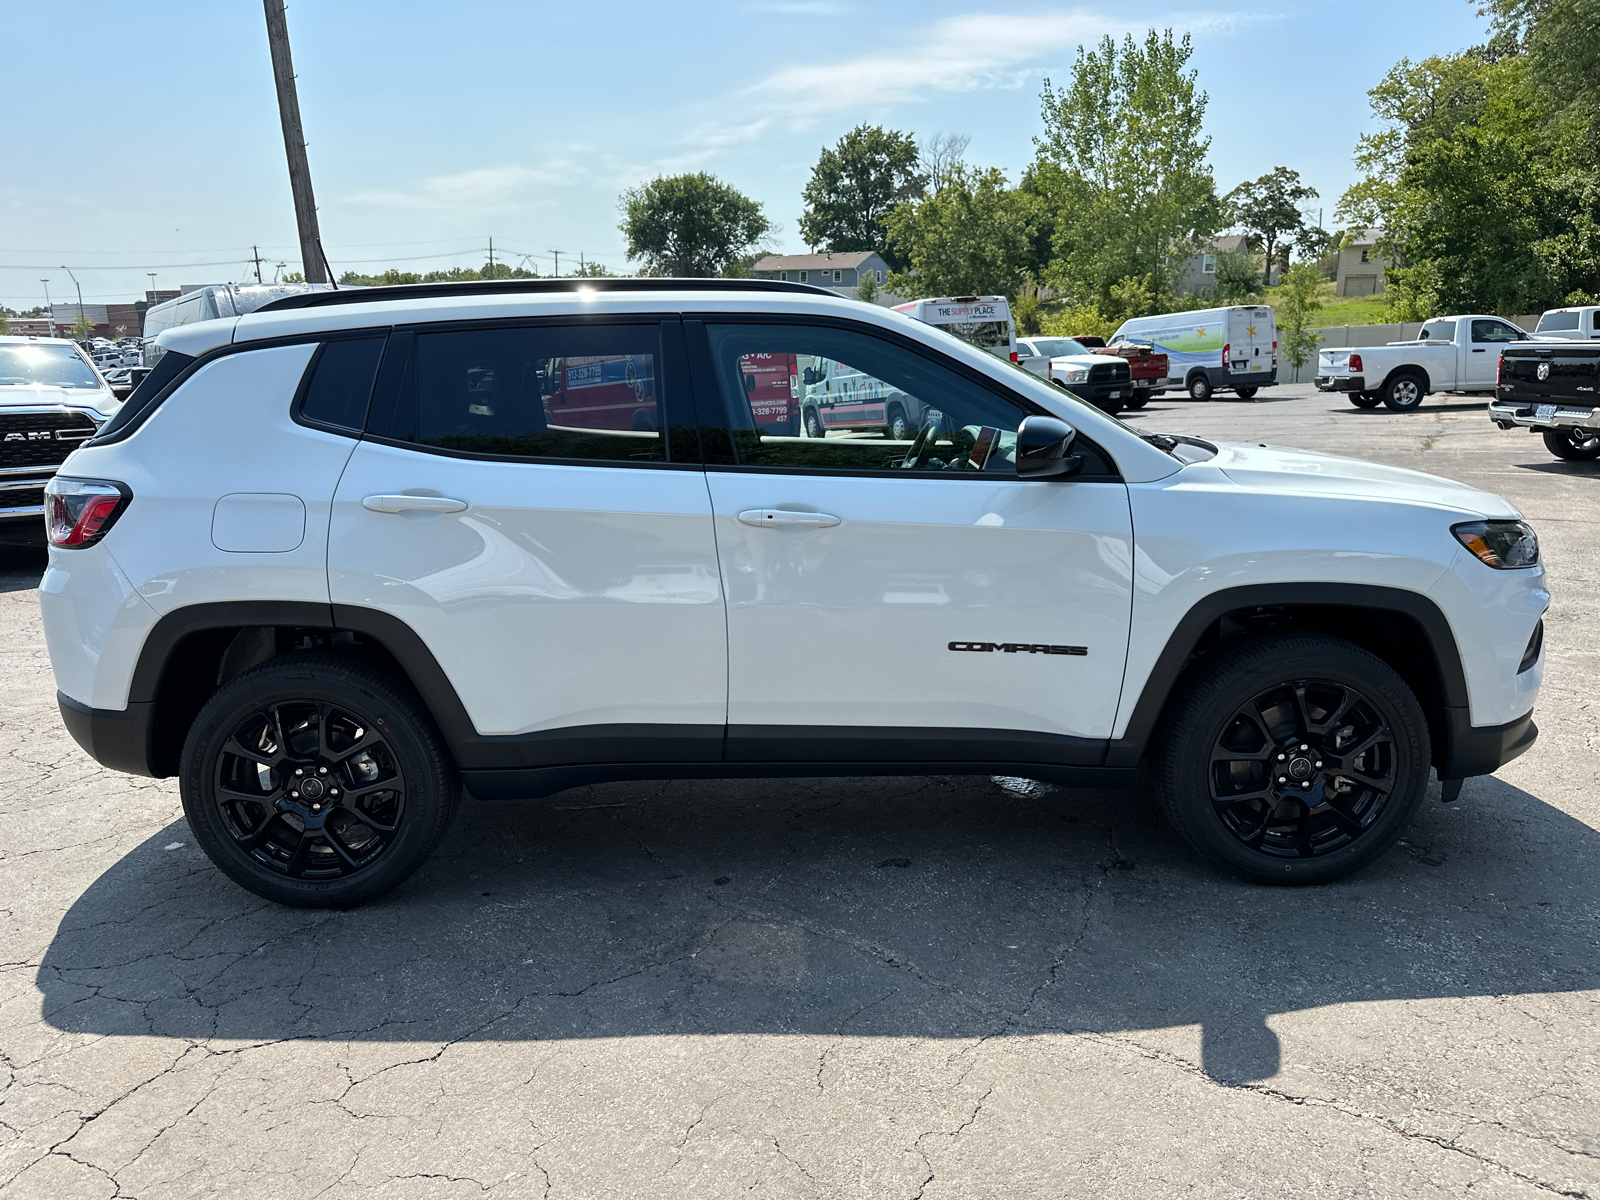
<point x="1247" y="393"/>
<point x="1294" y="759"/>
<point x="1574" y="445"/>
<point x="898" y="427"/>
<point x="1365" y="399"/>
<point x="316" y="781"/>
<point x="1403" y="393"/>
<point x="813" y="423"/>
<point x="1199" y="387"/>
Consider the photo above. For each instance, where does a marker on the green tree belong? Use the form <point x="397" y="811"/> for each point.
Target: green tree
<point x="389" y="278"/>
<point x="1238" y="276"/>
<point x="1122" y="168"/>
<point x="1297" y="301"/>
<point x="867" y="287"/>
<point x="690" y="225"/>
<point x="1269" y="208"/>
<point x="592" y="270"/>
<point x="5" y="323"/>
<point x="853" y="187"/>
<point x="970" y="239"/>
<point x="294" y="277"/>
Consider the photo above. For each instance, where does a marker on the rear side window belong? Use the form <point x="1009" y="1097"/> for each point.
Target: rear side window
<point x="1438" y="331"/>
<point x="587" y="392"/>
<point x="339" y="385"/>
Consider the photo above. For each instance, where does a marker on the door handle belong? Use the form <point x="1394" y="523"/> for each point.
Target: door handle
<point x="766" y="517"/>
<point x="400" y="504"/>
<point x="1480" y="351"/>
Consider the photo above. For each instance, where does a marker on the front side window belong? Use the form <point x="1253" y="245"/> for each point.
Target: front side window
<point x="1495" y="331"/>
<point x="826" y="398"/>
<point x="566" y="392"/>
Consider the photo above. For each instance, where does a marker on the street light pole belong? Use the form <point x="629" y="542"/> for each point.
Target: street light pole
<point x="294" y="144"/>
<point x="81" y="325"/>
<point x="152" y="275"/>
<point x="49" y="321"/>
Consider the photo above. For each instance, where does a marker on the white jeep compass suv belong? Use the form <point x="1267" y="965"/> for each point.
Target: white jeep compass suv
<point x="340" y="558"/>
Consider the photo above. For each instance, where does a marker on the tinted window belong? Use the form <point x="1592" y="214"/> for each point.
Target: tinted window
<point x="341" y="382"/>
<point x="810" y="396"/>
<point x="1495" y="331"/>
<point x="1556" y="321"/>
<point x="584" y="392"/>
<point x="1438" y="331"/>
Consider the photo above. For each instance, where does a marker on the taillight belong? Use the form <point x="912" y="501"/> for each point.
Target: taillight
<point x="1500" y="371"/>
<point x="1226" y="346"/>
<point x="1274" y="347"/>
<point x="1013" y="356"/>
<point x="79" y="512"/>
<point x="1355" y="363"/>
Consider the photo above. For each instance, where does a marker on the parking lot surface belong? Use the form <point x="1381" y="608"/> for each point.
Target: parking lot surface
<point x="926" y="988"/>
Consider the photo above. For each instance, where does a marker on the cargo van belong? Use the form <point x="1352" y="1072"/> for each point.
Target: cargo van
<point x="1212" y="349"/>
<point x="981" y="321"/>
<point x="210" y="302"/>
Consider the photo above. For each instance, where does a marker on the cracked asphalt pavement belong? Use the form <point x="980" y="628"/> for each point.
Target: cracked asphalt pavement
<point x="858" y="988"/>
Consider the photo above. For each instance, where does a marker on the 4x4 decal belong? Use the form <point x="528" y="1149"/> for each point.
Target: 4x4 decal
<point x="1018" y="648"/>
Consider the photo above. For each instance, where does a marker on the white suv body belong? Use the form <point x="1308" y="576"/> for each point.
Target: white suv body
<point x="542" y="515"/>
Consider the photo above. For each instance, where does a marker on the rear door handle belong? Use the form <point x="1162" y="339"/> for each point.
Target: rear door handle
<point x="400" y="504"/>
<point x="783" y="516"/>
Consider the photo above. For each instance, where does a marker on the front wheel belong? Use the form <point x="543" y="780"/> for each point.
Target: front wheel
<point x="813" y="422"/>
<point x="1403" y="393"/>
<point x="315" y="781"/>
<point x="1293" y="760"/>
<point x="1199" y="388"/>
<point x="1365" y="399"/>
<point x="1140" y="399"/>
<point x="1574" y="445"/>
<point x="1247" y="393"/>
<point x="898" y="428"/>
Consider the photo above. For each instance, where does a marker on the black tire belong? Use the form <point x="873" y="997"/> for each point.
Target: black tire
<point x="1110" y="407"/>
<point x="1403" y="392"/>
<point x="1365" y="399"/>
<point x="1140" y="399"/>
<point x="898" y="427"/>
<point x="1199" y="386"/>
<point x="1574" y="445"/>
<point x="316" y="720"/>
<point x="813" y="423"/>
<point x="1233" y="808"/>
<point x="1247" y="393"/>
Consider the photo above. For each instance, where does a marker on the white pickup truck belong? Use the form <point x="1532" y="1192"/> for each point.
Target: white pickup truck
<point x="1450" y="354"/>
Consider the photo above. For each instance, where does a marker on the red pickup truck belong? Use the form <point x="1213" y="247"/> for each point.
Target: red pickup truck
<point x="1149" y="368"/>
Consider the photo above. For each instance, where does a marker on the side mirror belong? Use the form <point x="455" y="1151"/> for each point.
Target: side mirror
<point x="1042" y="445"/>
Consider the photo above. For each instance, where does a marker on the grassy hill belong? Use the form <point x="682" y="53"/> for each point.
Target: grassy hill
<point x="1354" y="310"/>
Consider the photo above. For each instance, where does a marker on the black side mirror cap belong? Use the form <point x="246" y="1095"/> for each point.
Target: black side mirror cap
<point x="1042" y="446"/>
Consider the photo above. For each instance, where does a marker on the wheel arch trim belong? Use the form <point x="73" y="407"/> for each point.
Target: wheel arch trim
<point x="1186" y="635"/>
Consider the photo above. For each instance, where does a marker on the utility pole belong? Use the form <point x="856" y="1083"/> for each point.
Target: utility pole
<point x="255" y="252"/>
<point x="583" y="268"/>
<point x="83" y="327"/>
<point x="294" y="144"/>
<point x="557" y="253"/>
<point x="491" y="256"/>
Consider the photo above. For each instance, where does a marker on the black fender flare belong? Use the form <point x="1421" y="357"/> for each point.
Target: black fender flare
<point x="1185" y="637"/>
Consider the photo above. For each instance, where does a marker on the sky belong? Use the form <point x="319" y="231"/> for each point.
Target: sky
<point x="145" y="138"/>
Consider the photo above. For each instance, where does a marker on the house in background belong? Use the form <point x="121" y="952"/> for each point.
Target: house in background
<point x="1361" y="270"/>
<point x="1198" y="273"/>
<point x="841" y="272"/>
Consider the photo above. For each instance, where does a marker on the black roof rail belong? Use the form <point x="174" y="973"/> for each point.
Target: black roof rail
<point x="512" y="287"/>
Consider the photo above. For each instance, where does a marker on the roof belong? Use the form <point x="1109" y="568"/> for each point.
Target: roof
<point x="1363" y="237"/>
<point x="847" y="260"/>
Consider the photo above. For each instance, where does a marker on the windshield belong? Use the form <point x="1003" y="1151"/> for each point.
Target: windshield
<point x="1057" y="347"/>
<point x="1558" y="320"/>
<point x="986" y="335"/>
<point x="25" y="363"/>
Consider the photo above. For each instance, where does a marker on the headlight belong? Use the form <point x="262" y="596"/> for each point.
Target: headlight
<point x="1076" y="375"/>
<point x="1503" y="545"/>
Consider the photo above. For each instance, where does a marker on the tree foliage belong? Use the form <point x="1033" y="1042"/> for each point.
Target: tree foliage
<point x="690" y="225"/>
<point x="1238" y="275"/>
<point x="972" y="238"/>
<point x="1297" y="301"/>
<point x="1122" y="168"/>
<point x="1269" y="208"/>
<point x="853" y="187"/>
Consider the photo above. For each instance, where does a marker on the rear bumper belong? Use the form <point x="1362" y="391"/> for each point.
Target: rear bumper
<point x="1482" y="749"/>
<point x="1507" y="413"/>
<point x="116" y="739"/>
<point x="1341" y="383"/>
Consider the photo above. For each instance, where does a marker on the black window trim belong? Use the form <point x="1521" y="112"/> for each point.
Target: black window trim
<point x="674" y="363"/>
<point x="716" y="440"/>
<point x="297" y="409"/>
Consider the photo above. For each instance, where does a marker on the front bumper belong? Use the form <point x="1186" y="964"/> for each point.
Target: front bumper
<point x="1482" y="749"/>
<point x="1509" y="413"/>
<point x="1341" y="383"/>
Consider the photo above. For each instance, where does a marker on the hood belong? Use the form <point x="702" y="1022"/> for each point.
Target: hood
<point x="33" y="395"/>
<point x="1308" y="473"/>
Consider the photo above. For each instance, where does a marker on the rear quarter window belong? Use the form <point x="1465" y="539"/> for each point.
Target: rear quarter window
<point x="338" y="388"/>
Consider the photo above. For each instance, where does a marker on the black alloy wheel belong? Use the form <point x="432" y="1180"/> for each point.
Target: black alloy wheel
<point x="1572" y="444"/>
<point x="1295" y="759"/>
<point x="1365" y="399"/>
<point x="1199" y="388"/>
<point x="313" y="780"/>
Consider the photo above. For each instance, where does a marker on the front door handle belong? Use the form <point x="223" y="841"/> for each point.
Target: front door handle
<point x="1480" y="351"/>
<point x="400" y="504"/>
<point x="766" y="517"/>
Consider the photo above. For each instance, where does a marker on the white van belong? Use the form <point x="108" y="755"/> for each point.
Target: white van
<point x="1212" y="349"/>
<point x="210" y="302"/>
<point x="981" y="321"/>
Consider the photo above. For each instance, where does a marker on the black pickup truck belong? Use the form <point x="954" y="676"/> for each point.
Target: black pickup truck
<point x="1549" y="387"/>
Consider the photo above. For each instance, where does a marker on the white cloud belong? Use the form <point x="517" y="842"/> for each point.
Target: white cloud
<point x="480" y="190"/>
